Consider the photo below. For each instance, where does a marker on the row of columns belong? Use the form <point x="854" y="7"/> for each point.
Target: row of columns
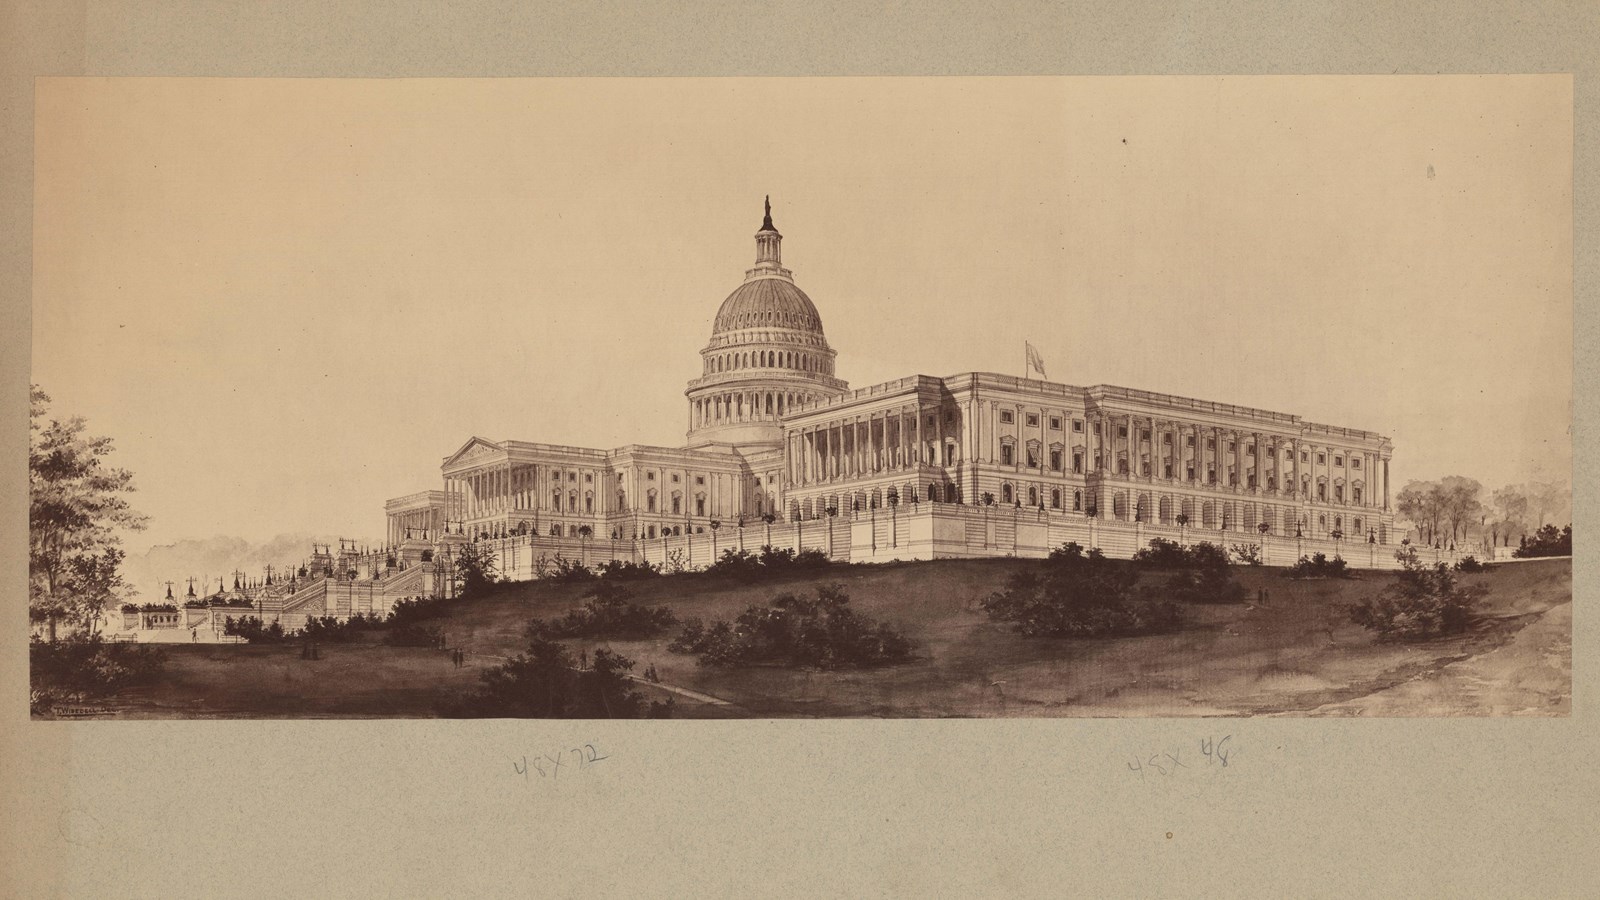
<point x="744" y="406"/>
<point x="863" y="445"/>
<point x="1260" y="449"/>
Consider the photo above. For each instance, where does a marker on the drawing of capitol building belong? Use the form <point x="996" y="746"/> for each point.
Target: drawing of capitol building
<point x="976" y="464"/>
<point x="781" y="452"/>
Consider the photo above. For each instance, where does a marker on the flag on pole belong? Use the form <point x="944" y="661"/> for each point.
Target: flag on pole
<point x="1035" y="362"/>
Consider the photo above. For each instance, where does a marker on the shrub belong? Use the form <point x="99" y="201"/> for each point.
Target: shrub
<point x="1470" y="564"/>
<point x="823" y="632"/>
<point x="1421" y="602"/>
<point x="85" y="666"/>
<point x="1077" y="594"/>
<point x="569" y="571"/>
<point x="1320" y="566"/>
<point x="412" y="611"/>
<point x="608" y="614"/>
<point x="328" y="628"/>
<point x="1547" y="541"/>
<point x="1161" y="554"/>
<point x="475" y="569"/>
<point x="543" y="683"/>
<point x="617" y="570"/>
<point x="1248" y="554"/>
<point x="254" y="631"/>
<point x="747" y="566"/>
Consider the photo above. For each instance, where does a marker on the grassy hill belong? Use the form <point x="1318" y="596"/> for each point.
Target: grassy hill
<point x="1296" y="652"/>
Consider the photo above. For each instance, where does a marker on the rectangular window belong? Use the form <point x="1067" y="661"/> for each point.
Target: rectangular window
<point x="1122" y="467"/>
<point x="1322" y="491"/>
<point x="1189" y="441"/>
<point x="1007" y="454"/>
<point x="1231" y="447"/>
<point x="699" y="479"/>
<point x="1168" y="470"/>
<point x="1355" y="494"/>
<point x="1355" y="462"/>
<point x="1211" y="443"/>
<point x="1122" y="431"/>
<point x="1305" y="456"/>
<point x="1322" y="458"/>
<point x="1033" y="420"/>
<point x="1338" y="492"/>
<point x="1077" y="425"/>
<point x="1007" y="417"/>
<point x="650" y="476"/>
<point x="699" y="506"/>
<point x="1055" y="423"/>
<point x="949" y="454"/>
<point x="1033" y="458"/>
<point x="1097" y="429"/>
<point x="572" y="476"/>
<point x="1167" y="439"/>
<point x="1077" y="463"/>
<point x="677" y="505"/>
<point x="1211" y="474"/>
<point x="1338" y="461"/>
<point x="1055" y="460"/>
<point x="1144" y="434"/>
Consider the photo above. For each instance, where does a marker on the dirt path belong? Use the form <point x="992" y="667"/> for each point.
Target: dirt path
<point x="1529" y="675"/>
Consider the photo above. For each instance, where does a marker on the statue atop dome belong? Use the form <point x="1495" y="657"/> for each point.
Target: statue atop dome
<point x="766" y="222"/>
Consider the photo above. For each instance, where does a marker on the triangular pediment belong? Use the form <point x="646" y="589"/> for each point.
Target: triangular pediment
<point x="473" y="448"/>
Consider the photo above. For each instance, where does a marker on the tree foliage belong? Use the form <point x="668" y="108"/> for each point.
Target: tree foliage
<point x="1078" y="594"/>
<point x="1423" y="601"/>
<point x="77" y="505"/>
<point x="476" y="570"/>
<point x="543" y="682"/>
<point x="609" y="613"/>
<point x="821" y="632"/>
<point x="1547" y="541"/>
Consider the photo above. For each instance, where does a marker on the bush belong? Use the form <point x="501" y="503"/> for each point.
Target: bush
<point x="1320" y="566"/>
<point x="1247" y="554"/>
<point x="1161" y="554"/>
<point x="254" y="631"/>
<point x="569" y="571"/>
<point x="617" y="570"/>
<point x="543" y="683"/>
<point x="328" y="628"/>
<point x="1077" y="594"/>
<point x="1547" y="541"/>
<point x="1422" y="602"/>
<point x="475" y="569"/>
<point x="607" y="614"/>
<point x="85" y="666"/>
<point x="412" y="611"/>
<point x="823" y="633"/>
<point x="747" y="566"/>
<point x="1469" y="564"/>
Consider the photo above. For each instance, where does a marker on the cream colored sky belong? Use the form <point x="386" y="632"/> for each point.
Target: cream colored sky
<point x="288" y="299"/>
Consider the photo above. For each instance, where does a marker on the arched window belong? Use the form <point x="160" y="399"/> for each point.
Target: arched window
<point x="1033" y="496"/>
<point x="555" y="500"/>
<point x="1077" y="501"/>
<point x="588" y="501"/>
<point x="933" y="493"/>
<point x="650" y="501"/>
<point x="1055" y="498"/>
<point x="1006" y="494"/>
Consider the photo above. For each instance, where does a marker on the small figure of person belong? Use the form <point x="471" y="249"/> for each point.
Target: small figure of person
<point x="194" y="634"/>
<point x="583" y="659"/>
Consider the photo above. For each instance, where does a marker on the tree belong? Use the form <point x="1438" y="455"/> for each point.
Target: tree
<point x="1077" y="594"/>
<point x="1459" y="503"/>
<point x="1419" y="502"/>
<point x="76" y="506"/>
<point x="475" y="569"/>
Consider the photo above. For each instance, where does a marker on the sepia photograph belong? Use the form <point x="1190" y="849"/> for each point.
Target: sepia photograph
<point x="740" y="398"/>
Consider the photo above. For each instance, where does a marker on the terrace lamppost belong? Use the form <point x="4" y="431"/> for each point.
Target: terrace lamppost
<point x="715" y="524"/>
<point x="1183" y="521"/>
<point x="1262" y="529"/>
<point x="831" y="511"/>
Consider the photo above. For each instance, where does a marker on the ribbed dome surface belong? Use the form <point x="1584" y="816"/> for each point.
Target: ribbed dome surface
<point x="768" y="302"/>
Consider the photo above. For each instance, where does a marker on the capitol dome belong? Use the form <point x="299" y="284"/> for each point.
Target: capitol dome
<point x="775" y="302"/>
<point x="767" y="355"/>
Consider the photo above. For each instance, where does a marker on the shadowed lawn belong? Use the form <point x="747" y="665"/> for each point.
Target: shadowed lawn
<point x="1294" y="654"/>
